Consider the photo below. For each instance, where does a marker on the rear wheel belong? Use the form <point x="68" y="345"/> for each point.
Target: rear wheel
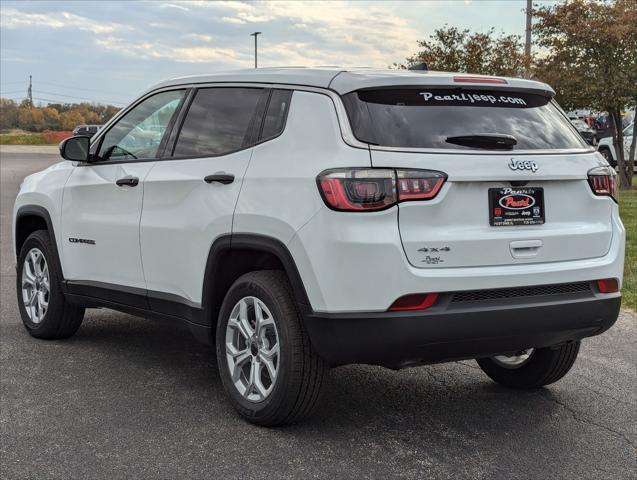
<point x="531" y="368"/>
<point x="43" y="307"/>
<point x="267" y="364"/>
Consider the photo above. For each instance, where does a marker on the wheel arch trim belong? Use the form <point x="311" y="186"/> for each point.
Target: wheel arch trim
<point x="228" y="243"/>
<point x="43" y="213"/>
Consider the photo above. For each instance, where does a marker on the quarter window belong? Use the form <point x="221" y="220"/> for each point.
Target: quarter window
<point x="276" y="114"/>
<point x="139" y="132"/>
<point x="217" y="122"/>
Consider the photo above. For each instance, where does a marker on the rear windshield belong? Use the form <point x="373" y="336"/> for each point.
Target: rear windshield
<point x="430" y="118"/>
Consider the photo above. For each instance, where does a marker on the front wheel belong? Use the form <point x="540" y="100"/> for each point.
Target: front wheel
<point x="44" y="310"/>
<point x="266" y="362"/>
<point x="531" y="368"/>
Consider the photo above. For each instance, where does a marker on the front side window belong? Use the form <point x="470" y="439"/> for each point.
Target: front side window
<point x="139" y="132"/>
<point x="217" y="122"/>
<point x="459" y="118"/>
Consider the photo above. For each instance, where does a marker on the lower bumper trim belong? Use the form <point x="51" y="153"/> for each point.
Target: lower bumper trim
<point x="445" y="333"/>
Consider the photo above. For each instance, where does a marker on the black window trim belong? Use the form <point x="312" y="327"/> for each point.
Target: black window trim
<point x="248" y="141"/>
<point x="285" y="117"/>
<point x="171" y="134"/>
<point x="97" y="144"/>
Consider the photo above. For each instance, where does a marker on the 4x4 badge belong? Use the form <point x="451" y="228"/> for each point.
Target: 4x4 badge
<point x="523" y="165"/>
<point x="434" y="249"/>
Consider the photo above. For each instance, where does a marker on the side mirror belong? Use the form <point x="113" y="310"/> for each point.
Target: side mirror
<point x="76" y="148"/>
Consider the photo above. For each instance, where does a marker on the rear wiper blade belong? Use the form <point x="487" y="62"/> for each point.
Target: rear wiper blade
<point x="490" y="141"/>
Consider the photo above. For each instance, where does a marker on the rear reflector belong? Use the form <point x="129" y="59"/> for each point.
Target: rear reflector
<point x="416" y="301"/>
<point x="608" y="285"/>
<point x="460" y="79"/>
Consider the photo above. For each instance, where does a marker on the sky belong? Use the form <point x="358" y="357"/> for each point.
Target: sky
<point x="110" y="52"/>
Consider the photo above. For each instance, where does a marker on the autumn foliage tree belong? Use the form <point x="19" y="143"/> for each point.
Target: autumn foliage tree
<point x="588" y="54"/>
<point x="54" y="116"/>
<point x="452" y="50"/>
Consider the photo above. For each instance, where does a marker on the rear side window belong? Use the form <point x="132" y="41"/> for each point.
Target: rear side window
<point x="274" y="120"/>
<point x="436" y="118"/>
<point x="217" y="121"/>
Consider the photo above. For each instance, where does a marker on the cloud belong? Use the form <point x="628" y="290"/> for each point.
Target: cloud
<point x="294" y="33"/>
<point x="199" y="37"/>
<point x="175" y="6"/>
<point x="345" y="32"/>
<point x="154" y="50"/>
<point x="13" y="18"/>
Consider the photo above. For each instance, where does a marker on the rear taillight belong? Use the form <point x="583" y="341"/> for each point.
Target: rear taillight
<point x="603" y="181"/>
<point x="373" y="189"/>
<point x="608" y="285"/>
<point x="358" y="189"/>
<point x="416" y="301"/>
<point x="418" y="184"/>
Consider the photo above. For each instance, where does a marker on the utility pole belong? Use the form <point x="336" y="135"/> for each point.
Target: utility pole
<point x="30" y="90"/>
<point x="255" y="34"/>
<point x="527" y="45"/>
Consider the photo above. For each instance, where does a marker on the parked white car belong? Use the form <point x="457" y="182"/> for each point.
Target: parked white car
<point x="300" y="219"/>
<point x="607" y="149"/>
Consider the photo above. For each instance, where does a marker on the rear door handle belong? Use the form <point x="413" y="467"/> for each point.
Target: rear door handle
<point x="128" y="181"/>
<point x="224" y="178"/>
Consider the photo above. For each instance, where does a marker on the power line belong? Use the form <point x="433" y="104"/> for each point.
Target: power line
<point x="50" y="100"/>
<point x="66" y="87"/>
<point x="11" y="92"/>
<point x="70" y="87"/>
<point x="76" y="97"/>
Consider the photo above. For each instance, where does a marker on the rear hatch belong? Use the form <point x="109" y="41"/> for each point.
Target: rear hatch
<point x="517" y="188"/>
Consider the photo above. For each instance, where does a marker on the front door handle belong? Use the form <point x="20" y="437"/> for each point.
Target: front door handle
<point x="128" y="181"/>
<point x="224" y="178"/>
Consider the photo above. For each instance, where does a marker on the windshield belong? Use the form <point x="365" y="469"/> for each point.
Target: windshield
<point x="433" y="117"/>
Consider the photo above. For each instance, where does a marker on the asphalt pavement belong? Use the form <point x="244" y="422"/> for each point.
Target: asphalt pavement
<point x="135" y="398"/>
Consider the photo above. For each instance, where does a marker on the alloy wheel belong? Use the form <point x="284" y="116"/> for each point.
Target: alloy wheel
<point x="36" y="285"/>
<point x="252" y="349"/>
<point x="515" y="360"/>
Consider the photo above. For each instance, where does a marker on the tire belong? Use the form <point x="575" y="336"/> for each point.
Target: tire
<point x="544" y="366"/>
<point x="608" y="156"/>
<point x="58" y="319"/>
<point x="300" y="372"/>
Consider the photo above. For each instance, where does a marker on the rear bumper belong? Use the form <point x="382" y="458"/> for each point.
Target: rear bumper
<point x="459" y="331"/>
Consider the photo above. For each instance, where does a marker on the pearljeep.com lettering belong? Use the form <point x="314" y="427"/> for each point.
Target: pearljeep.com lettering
<point x="472" y="98"/>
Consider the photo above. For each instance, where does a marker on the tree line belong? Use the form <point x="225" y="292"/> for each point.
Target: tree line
<point x="54" y="116"/>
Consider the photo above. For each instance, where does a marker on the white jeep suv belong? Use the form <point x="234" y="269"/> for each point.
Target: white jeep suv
<point x="308" y="218"/>
<point x="607" y="148"/>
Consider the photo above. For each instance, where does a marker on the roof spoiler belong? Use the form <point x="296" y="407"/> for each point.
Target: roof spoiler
<point x="418" y="67"/>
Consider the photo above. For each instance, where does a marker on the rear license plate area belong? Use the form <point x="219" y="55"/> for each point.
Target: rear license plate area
<point x="511" y="206"/>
